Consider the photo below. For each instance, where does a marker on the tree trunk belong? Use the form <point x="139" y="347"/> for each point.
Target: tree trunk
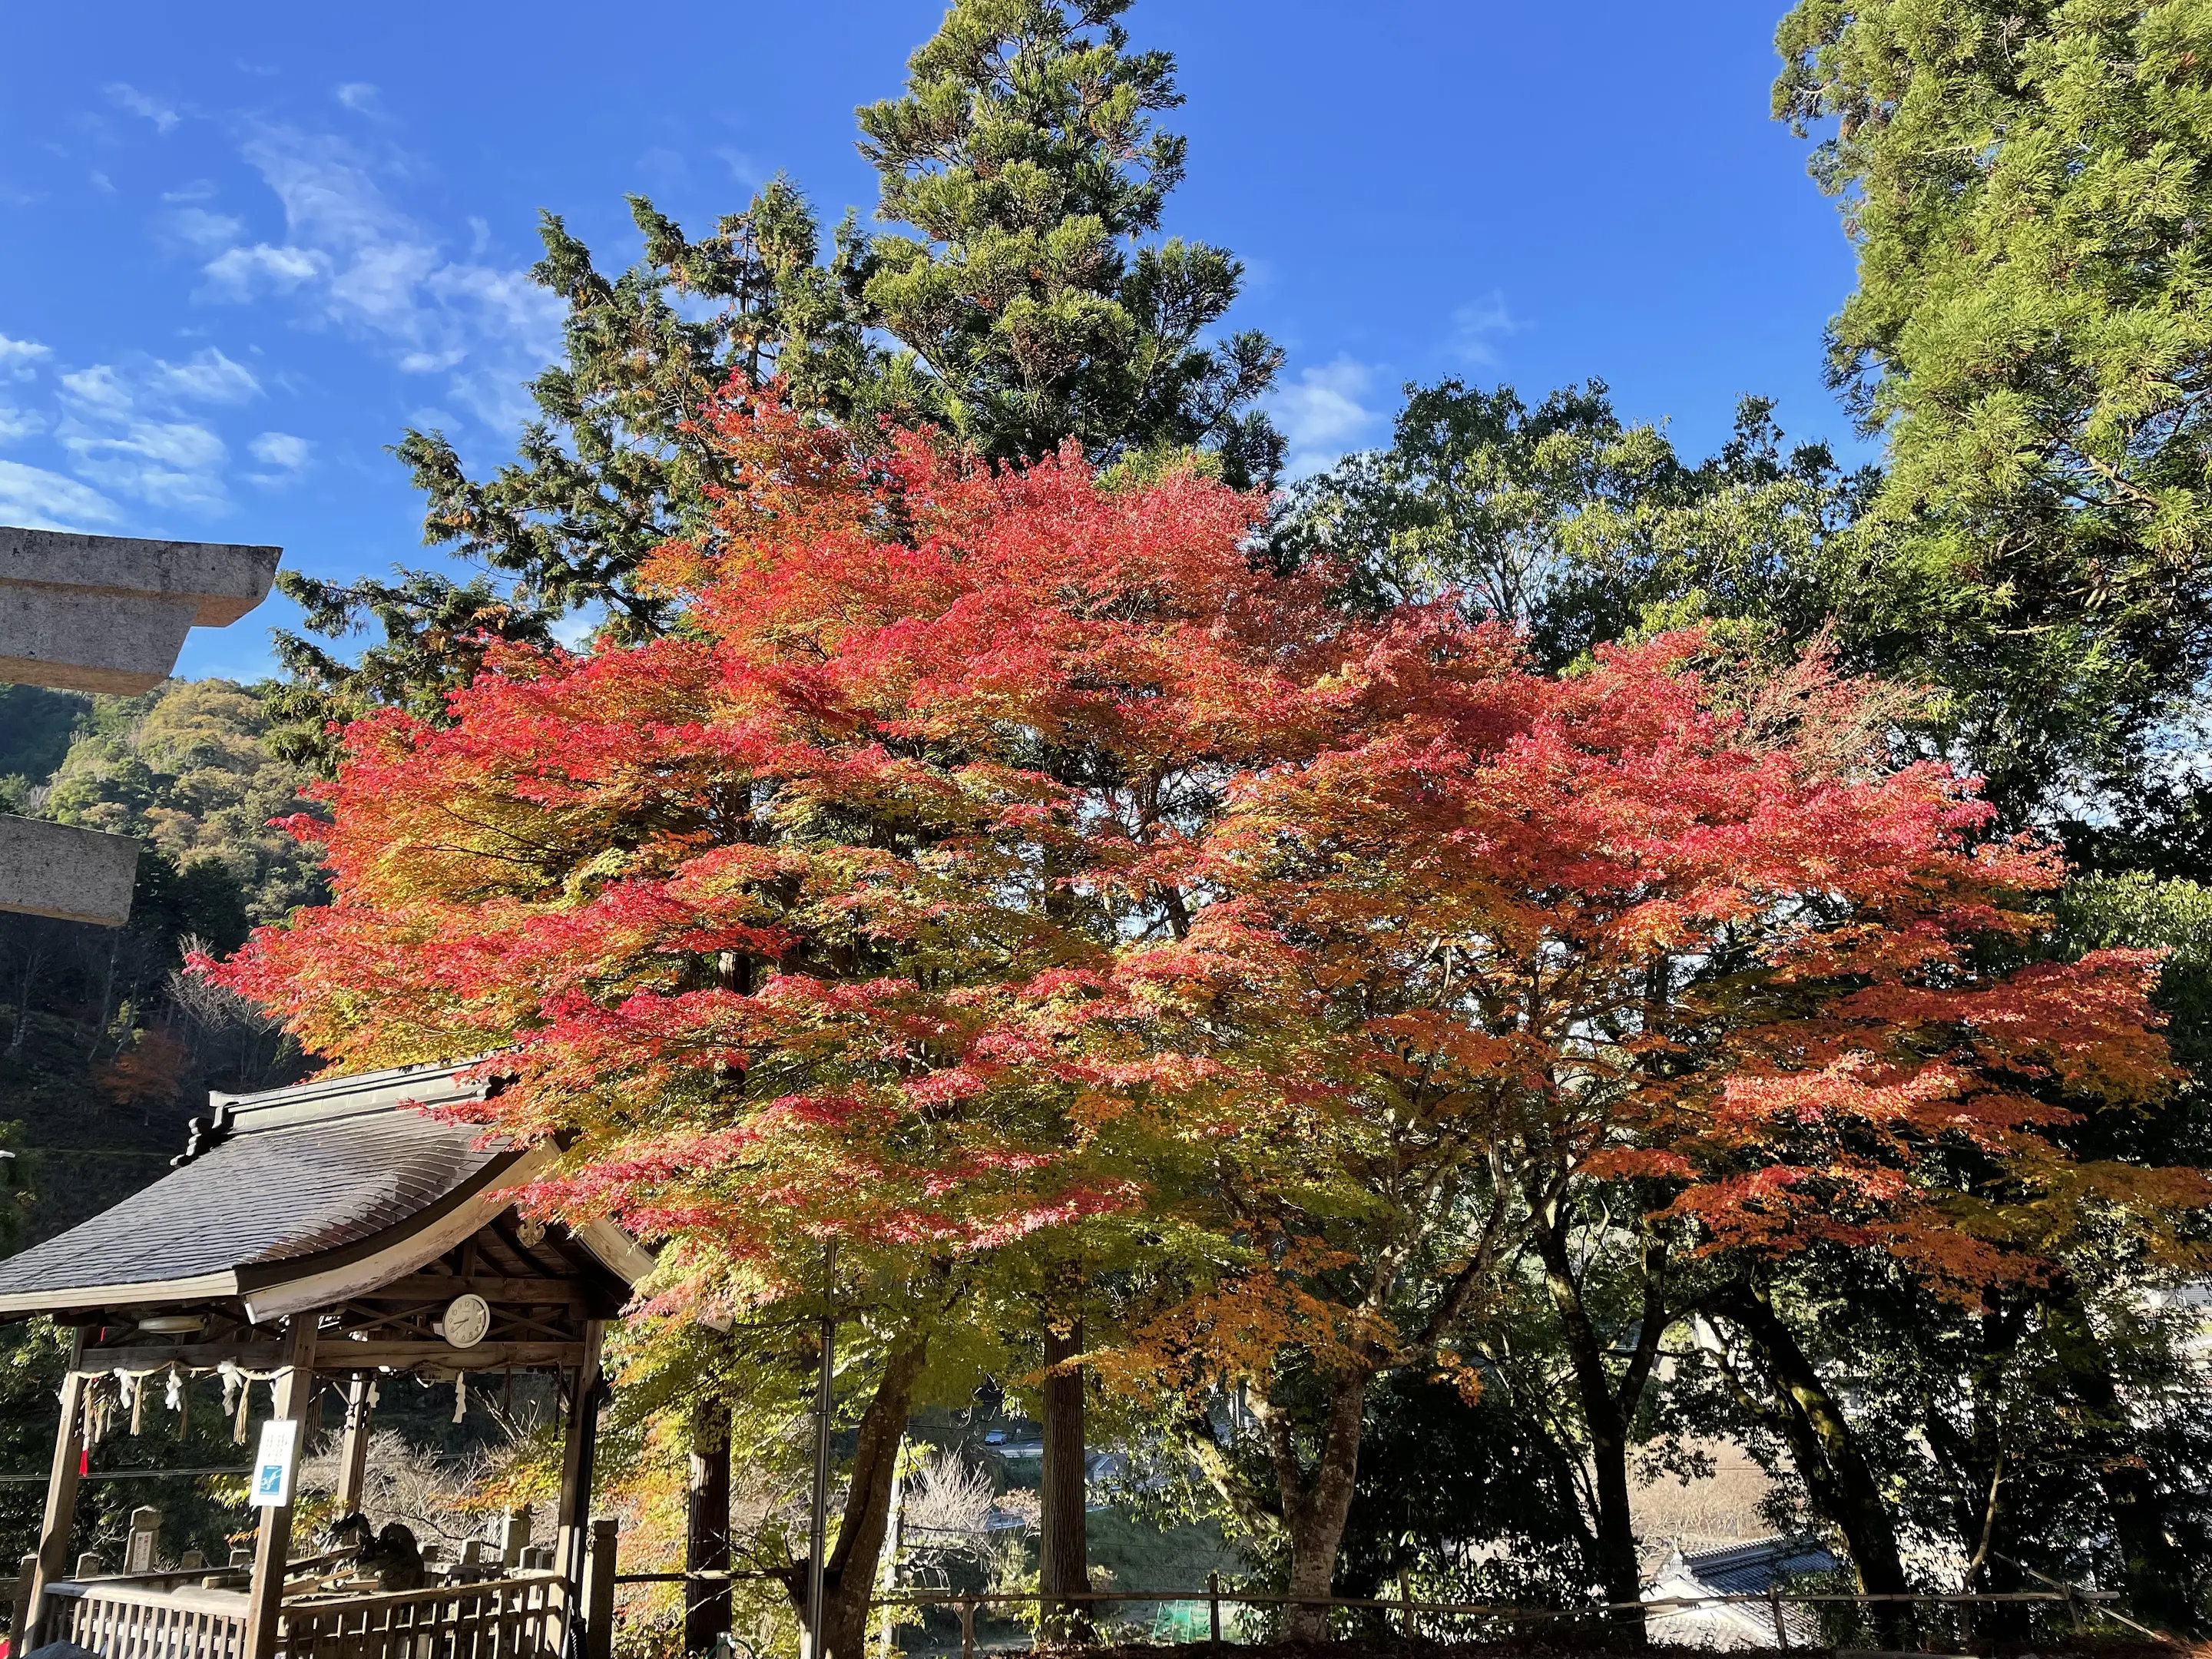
<point x="2157" y="1573"/>
<point x="1825" y="1450"/>
<point x="1315" y="1507"/>
<point x="1609" y="1406"/>
<point x="706" y="1528"/>
<point x="1064" y="1563"/>
<point x="849" y="1576"/>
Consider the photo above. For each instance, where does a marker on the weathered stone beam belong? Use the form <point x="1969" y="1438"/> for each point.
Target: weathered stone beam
<point x="59" y="870"/>
<point x="110" y="613"/>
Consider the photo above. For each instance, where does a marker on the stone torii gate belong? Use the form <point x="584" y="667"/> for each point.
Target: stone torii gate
<point x="102" y="613"/>
<point x="328" y="1230"/>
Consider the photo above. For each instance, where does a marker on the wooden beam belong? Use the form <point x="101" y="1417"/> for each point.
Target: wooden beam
<point x="259" y="1356"/>
<point x="576" y="1460"/>
<point x="484" y="1357"/>
<point x="341" y="1356"/>
<point x="353" y="1446"/>
<point x="600" y="1590"/>
<point x="273" y="1549"/>
<point x="439" y="1288"/>
<point x="61" y="1491"/>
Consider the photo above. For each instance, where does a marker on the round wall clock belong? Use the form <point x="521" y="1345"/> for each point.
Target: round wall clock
<point x="468" y="1320"/>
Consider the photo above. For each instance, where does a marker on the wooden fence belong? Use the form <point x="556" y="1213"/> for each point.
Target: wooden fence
<point x="521" y="1617"/>
<point x="143" y="1621"/>
<point x="525" y="1616"/>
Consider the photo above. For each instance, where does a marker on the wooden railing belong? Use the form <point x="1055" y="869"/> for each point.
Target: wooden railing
<point x="523" y="1617"/>
<point x="143" y="1621"/>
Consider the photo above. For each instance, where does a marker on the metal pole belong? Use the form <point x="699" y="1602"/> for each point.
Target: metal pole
<point x="820" y="1538"/>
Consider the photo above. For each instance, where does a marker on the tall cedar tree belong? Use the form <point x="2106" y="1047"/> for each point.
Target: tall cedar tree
<point x="2029" y="189"/>
<point x="792" y="924"/>
<point x="1523" y="933"/>
<point x="1024" y="158"/>
<point x="1027" y="309"/>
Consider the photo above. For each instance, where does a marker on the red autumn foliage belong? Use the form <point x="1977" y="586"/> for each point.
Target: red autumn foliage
<point x="987" y="841"/>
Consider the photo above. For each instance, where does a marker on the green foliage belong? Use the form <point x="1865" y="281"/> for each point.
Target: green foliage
<point x="1025" y="156"/>
<point x="1579" y="529"/>
<point x="36" y="726"/>
<point x="1477" y="1501"/>
<point x="187" y="768"/>
<point x="2027" y="190"/>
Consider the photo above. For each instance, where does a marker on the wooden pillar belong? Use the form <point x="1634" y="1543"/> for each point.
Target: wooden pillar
<point x="353" y="1446"/>
<point x="19" y="1625"/>
<point x="706" y="1528"/>
<point x="576" y="1461"/>
<point x="600" y="1590"/>
<point x="273" y="1549"/>
<point x="61" y="1485"/>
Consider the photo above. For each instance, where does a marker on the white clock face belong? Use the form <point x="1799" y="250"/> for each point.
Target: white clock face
<point x="468" y="1318"/>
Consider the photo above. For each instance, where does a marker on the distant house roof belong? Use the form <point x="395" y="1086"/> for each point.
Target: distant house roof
<point x="1750" y="1569"/>
<point x="292" y="1197"/>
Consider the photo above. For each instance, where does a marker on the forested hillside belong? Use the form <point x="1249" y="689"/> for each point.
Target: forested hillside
<point x="108" y="1047"/>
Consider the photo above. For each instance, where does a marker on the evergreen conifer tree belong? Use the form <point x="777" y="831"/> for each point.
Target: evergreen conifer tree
<point x="610" y="468"/>
<point x="1025" y="160"/>
<point x="2029" y="189"/>
<point x="1025" y="311"/>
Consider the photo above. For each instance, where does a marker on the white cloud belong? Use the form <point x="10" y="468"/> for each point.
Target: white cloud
<point x="170" y="463"/>
<point x="1322" y="415"/>
<point x="360" y="97"/>
<point x="209" y="377"/>
<point x="198" y="190"/>
<point x="100" y="390"/>
<point x="366" y="265"/>
<point x="124" y="95"/>
<point x="198" y="229"/>
<point x="16" y="357"/>
<point x="39" y="499"/>
<point x="16" y="423"/>
<point x="131" y="428"/>
<point x="1478" y="323"/>
<point x="239" y="273"/>
<point x="281" y="449"/>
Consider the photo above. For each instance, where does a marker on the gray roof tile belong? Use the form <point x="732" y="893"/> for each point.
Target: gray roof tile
<point x="303" y="1172"/>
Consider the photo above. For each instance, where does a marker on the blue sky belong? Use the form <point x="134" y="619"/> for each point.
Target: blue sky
<point x="243" y="245"/>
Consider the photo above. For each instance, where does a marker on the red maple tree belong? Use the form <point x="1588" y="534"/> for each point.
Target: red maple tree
<point x="791" y="927"/>
<point x="1669" y="918"/>
<point x="994" y="859"/>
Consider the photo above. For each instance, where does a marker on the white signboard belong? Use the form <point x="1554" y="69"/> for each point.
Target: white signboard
<point x="272" y="1469"/>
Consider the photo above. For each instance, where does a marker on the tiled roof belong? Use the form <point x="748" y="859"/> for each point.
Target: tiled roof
<point x="287" y="1175"/>
<point x="1752" y="1569"/>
